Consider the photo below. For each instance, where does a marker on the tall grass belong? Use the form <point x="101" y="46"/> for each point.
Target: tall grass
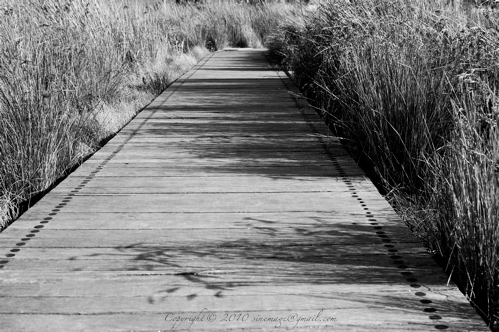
<point x="74" y="72"/>
<point x="412" y="87"/>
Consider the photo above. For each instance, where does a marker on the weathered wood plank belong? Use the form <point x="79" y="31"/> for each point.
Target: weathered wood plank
<point x="163" y="185"/>
<point x="210" y="202"/>
<point x="177" y="286"/>
<point x="156" y="322"/>
<point x="173" y="262"/>
<point x="181" y="239"/>
<point x="241" y="302"/>
<point x="294" y="251"/>
<point x="152" y="220"/>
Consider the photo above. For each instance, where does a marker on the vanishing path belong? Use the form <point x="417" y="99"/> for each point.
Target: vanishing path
<point x="223" y="200"/>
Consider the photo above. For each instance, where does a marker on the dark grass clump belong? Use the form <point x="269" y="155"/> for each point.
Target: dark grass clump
<point x="412" y="88"/>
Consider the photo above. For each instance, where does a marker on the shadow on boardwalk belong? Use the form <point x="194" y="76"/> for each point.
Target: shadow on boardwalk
<point x="279" y="263"/>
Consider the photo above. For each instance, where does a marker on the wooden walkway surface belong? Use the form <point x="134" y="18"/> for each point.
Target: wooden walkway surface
<point x="222" y="206"/>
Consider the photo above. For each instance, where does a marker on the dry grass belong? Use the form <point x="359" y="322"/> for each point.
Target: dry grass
<point x="413" y="87"/>
<point x="73" y="72"/>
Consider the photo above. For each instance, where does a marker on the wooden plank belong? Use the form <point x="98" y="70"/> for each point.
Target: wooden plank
<point x="295" y="251"/>
<point x="175" y="262"/>
<point x="183" y="238"/>
<point x="174" y="150"/>
<point x="130" y="154"/>
<point x="156" y="322"/>
<point x="163" y="185"/>
<point x="178" y="286"/>
<point x="210" y="202"/>
<point x="151" y="220"/>
<point x="73" y="283"/>
<point x="288" y="302"/>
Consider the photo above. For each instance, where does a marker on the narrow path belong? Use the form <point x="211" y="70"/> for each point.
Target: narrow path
<point x="224" y="201"/>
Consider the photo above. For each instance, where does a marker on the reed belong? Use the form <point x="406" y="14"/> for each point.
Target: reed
<point x="412" y="88"/>
<point x="74" y="72"/>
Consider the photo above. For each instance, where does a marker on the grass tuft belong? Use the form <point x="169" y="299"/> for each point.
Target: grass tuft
<point x="412" y="88"/>
<point x="74" y="72"/>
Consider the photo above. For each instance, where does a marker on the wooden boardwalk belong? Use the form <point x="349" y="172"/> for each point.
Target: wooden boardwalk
<point x="227" y="205"/>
